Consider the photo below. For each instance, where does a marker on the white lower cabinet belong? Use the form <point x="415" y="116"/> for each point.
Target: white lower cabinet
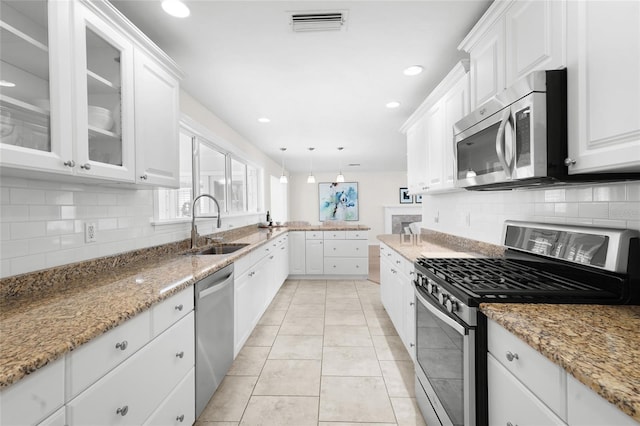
<point x="58" y="418"/>
<point x="314" y="257"/>
<point x="130" y="393"/>
<point x="587" y="408"/>
<point x="397" y="295"/>
<point x="510" y="402"/>
<point x="177" y="408"/>
<point x="330" y="253"/>
<point x="297" y="253"/>
<point x="35" y="397"/>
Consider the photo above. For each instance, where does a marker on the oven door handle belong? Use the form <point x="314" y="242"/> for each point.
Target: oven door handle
<point x="441" y="315"/>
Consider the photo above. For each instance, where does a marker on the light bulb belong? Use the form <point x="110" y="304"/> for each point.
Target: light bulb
<point x="311" y="178"/>
<point x="176" y="8"/>
<point x="340" y="177"/>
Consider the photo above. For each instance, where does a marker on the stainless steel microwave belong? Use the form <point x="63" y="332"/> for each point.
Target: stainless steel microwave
<point x="517" y="138"/>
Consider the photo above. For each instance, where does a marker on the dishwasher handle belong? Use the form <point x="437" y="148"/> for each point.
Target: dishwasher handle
<point x="215" y="286"/>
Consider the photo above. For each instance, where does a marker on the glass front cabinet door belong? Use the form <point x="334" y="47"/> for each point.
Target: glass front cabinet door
<point x="104" y="99"/>
<point x="35" y="114"/>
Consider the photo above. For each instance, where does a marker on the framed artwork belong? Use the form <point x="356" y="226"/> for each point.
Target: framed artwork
<point x="419" y="198"/>
<point x="405" y="198"/>
<point x="338" y="201"/>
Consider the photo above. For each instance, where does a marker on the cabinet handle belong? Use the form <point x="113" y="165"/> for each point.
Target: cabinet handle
<point x="569" y="162"/>
<point x="270" y="257"/>
<point x="180" y="418"/>
<point x="144" y="177"/>
<point x="397" y="262"/>
<point x="411" y="303"/>
<point x="180" y="354"/>
<point x="411" y="273"/>
<point x="282" y="248"/>
<point x="69" y="163"/>
<point x="411" y="345"/>
<point x="122" y="346"/>
<point x="334" y="249"/>
<point x="123" y="411"/>
<point x="511" y="356"/>
<point x="251" y="273"/>
<point x="179" y="307"/>
<point x="86" y="166"/>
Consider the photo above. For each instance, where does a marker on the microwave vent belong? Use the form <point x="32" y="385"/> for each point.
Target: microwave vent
<point x="317" y="21"/>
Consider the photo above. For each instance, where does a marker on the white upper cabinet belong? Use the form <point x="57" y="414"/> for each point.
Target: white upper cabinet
<point x="104" y="99"/>
<point x="417" y="158"/>
<point x="603" y="84"/>
<point x="512" y="39"/>
<point x="156" y="126"/>
<point x="35" y="114"/>
<point x="430" y="145"/>
<point x="71" y="107"/>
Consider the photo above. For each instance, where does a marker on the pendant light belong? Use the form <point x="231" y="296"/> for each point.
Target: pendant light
<point x="311" y="178"/>
<point x="340" y="177"/>
<point x="283" y="178"/>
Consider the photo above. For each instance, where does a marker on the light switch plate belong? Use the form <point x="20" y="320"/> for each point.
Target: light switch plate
<point x="90" y="233"/>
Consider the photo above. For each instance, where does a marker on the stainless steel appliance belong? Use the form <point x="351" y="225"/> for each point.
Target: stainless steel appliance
<point x="543" y="263"/>
<point x="519" y="138"/>
<point x="214" y="333"/>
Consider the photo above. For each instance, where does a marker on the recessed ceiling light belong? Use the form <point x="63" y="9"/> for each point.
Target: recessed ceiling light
<point x="264" y="120"/>
<point x="393" y="104"/>
<point x="176" y="8"/>
<point x="413" y="70"/>
<point x="5" y="83"/>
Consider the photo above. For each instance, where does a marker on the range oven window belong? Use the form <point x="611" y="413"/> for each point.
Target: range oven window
<point x="440" y="355"/>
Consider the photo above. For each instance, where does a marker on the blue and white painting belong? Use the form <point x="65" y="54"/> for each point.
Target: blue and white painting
<point x="338" y="201"/>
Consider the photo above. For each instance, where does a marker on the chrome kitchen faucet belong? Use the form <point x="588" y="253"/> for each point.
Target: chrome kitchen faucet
<point x="194" y="230"/>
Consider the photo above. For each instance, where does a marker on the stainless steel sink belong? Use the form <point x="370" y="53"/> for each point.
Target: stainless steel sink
<point x="222" y="248"/>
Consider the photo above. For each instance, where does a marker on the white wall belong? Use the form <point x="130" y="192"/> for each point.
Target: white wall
<point x="608" y="205"/>
<point x="375" y="190"/>
<point x="42" y="221"/>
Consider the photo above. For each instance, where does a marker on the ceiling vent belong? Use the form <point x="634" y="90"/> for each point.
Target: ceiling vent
<point x="318" y="21"/>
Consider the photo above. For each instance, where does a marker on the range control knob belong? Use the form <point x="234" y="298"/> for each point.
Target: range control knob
<point x="443" y="298"/>
<point x="432" y="287"/>
<point x="451" y="305"/>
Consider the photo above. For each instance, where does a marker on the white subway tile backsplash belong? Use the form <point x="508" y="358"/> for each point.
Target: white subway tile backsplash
<point x="107" y="199"/>
<point x="68" y="212"/>
<point x="626" y="211"/>
<point x="57" y="227"/>
<point x="107" y="224"/>
<point x="554" y="195"/>
<point x="633" y="224"/>
<point x="23" y="230"/>
<point x="44" y="212"/>
<point x="26" y="196"/>
<point x="5" y="232"/>
<point x="24" y="264"/>
<point x="14" y="248"/>
<point x="593" y="210"/>
<point x="10" y="213"/>
<point x="4" y="196"/>
<point x="72" y="240"/>
<point x="609" y="193"/>
<point x="59" y="197"/>
<point x="5" y="268"/>
<point x="86" y="199"/>
<point x="633" y="191"/>
<point x="579" y="194"/>
<point x="609" y="223"/>
<point x="43" y="245"/>
<point x="544" y="209"/>
<point x="566" y="209"/>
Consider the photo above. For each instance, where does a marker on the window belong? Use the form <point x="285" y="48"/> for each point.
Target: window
<point x="208" y="169"/>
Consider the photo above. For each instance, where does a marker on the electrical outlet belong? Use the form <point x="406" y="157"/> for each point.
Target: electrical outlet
<point x="90" y="233"/>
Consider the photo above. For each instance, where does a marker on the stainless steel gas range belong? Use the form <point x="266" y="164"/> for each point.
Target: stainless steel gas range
<point x="543" y="263"/>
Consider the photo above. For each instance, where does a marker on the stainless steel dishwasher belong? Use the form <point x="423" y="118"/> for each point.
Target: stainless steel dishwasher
<point x="214" y="333"/>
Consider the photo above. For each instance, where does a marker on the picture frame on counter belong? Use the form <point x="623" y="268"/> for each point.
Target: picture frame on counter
<point x="405" y="197"/>
<point x="338" y="201"/>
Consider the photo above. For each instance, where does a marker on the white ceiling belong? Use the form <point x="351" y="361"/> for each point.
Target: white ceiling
<point x="320" y="89"/>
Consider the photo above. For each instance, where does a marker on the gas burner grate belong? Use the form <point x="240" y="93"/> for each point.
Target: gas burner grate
<point x="503" y="278"/>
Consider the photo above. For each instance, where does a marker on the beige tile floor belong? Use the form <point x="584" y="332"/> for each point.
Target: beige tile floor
<point x="324" y="354"/>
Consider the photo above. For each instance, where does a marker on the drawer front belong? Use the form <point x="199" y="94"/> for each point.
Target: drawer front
<point x="346" y="248"/>
<point x="171" y="310"/>
<point x="313" y="235"/>
<point x="35" y="397"/>
<point x="356" y="235"/>
<point x="346" y="266"/>
<point x="178" y="408"/>
<point x="96" y="358"/>
<point x="333" y="235"/>
<point x="242" y="265"/>
<point x="56" y="419"/>
<point x="510" y="402"/>
<point x="132" y="391"/>
<point x="545" y="379"/>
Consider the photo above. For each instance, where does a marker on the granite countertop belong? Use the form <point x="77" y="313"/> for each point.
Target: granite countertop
<point x="598" y="345"/>
<point x="45" y="314"/>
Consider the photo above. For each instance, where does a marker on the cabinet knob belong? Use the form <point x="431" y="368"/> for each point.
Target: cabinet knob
<point x="411" y="303"/>
<point x="180" y="354"/>
<point x="180" y="418"/>
<point x="122" y="345"/>
<point x="511" y="356"/>
<point x="179" y="307"/>
<point x="270" y="257"/>
<point x="86" y="166"/>
<point x="569" y="162"/>
<point x="69" y="163"/>
<point x="511" y="424"/>
<point x="397" y="262"/>
<point x="144" y="177"/>
<point x="123" y="411"/>
<point x="412" y="345"/>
